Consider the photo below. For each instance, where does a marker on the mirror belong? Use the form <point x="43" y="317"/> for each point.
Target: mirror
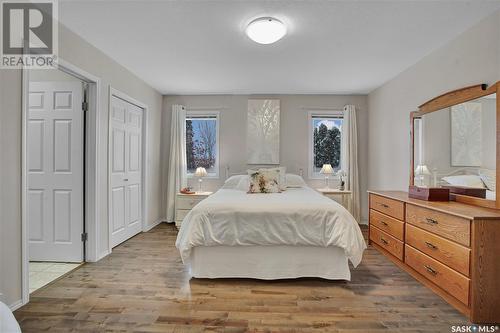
<point x="455" y="147"/>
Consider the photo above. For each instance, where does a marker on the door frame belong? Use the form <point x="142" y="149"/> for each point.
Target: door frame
<point x="92" y="173"/>
<point x="144" y="163"/>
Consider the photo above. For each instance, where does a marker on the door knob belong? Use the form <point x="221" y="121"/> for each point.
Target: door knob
<point x="125" y="180"/>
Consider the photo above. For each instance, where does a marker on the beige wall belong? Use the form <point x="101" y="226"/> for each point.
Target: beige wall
<point x="471" y="58"/>
<point x="78" y="52"/>
<point x="293" y="131"/>
<point x="10" y="205"/>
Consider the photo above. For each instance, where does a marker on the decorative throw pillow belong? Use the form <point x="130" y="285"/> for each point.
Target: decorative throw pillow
<point x="263" y="181"/>
<point x="281" y="178"/>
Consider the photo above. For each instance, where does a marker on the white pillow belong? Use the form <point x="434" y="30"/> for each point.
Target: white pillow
<point x="232" y="182"/>
<point x="243" y="184"/>
<point x="465" y="180"/>
<point x="489" y="178"/>
<point x="294" y="180"/>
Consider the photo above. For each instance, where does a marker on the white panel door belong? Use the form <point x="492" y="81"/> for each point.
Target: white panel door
<point x="125" y="170"/>
<point x="55" y="171"/>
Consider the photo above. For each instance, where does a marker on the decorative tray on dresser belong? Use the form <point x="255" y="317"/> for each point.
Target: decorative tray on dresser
<point x="452" y="248"/>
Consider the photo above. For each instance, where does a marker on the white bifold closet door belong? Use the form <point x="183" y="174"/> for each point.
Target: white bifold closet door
<point x="125" y="170"/>
<point x="54" y="209"/>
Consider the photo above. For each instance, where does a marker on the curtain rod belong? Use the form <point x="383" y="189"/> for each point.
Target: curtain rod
<point x="322" y="108"/>
<point x="206" y="108"/>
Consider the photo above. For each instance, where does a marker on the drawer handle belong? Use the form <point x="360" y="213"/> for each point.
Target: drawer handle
<point x="384" y="205"/>
<point x="384" y="241"/>
<point x="430" y="269"/>
<point x="431" y="221"/>
<point x="431" y="246"/>
<point x="384" y="223"/>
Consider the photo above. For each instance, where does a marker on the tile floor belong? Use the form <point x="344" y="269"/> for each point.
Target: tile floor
<point x="42" y="273"/>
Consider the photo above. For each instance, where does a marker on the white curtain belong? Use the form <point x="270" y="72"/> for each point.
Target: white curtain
<point x="177" y="178"/>
<point x="349" y="153"/>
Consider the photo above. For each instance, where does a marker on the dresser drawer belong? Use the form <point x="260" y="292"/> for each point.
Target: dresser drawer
<point x="388" y="224"/>
<point x="389" y="243"/>
<point x="388" y="206"/>
<point x="446" y="278"/>
<point x="187" y="202"/>
<point x="180" y="214"/>
<point x="448" y="226"/>
<point x="447" y="252"/>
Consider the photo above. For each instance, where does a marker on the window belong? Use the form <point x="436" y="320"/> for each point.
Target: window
<point x="325" y="136"/>
<point x="202" y="142"/>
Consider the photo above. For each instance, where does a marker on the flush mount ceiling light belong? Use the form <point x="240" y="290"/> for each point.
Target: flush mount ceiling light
<point x="266" y="30"/>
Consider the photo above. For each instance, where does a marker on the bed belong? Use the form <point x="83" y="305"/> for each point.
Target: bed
<point x="296" y="233"/>
<point x="471" y="177"/>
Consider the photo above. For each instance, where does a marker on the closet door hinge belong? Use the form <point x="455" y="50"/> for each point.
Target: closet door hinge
<point x="84" y="237"/>
<point x="85" y="106"/>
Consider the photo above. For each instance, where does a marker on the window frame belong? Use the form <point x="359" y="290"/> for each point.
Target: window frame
<point x="208" y="114"/>
<point x="314" y="114"/>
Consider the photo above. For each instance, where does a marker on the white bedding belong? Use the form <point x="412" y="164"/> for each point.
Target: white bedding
<point x="491" y="195"/>
<point x="297" y="216"/>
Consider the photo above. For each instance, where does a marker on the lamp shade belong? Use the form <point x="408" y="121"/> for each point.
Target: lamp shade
<point x="200" y="172"/>
<point x="326" y="169"/>
<point x="421" y="170"/>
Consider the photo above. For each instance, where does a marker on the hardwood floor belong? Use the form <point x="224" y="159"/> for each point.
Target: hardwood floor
<point x="143" y="287"/>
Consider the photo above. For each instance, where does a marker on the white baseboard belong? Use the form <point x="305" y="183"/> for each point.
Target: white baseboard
<point x="16" y="305"/>
<point x="154" y="224"/>
<point x="102" y="255"/>
<point x="146" y="229"/>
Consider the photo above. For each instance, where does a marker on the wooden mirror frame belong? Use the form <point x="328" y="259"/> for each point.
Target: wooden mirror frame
<point x="453" y="98"/>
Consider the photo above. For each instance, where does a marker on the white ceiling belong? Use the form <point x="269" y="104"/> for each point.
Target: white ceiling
<point x="199" y="47"/>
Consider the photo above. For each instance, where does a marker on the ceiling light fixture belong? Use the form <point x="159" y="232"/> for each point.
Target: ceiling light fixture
<point x="266" y="30"/>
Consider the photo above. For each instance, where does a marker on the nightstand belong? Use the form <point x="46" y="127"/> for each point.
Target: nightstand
<point x="345" y="196"/>
<point x="185" y="202"/>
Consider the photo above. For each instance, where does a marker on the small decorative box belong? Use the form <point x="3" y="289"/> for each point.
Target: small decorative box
<point x="429" y="193"/>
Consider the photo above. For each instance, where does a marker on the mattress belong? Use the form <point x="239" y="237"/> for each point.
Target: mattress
<point x="295" y="217"/>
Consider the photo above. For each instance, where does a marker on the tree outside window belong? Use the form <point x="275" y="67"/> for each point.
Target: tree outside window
<point x="326" y="142"/>
<point x="201" y="144"/>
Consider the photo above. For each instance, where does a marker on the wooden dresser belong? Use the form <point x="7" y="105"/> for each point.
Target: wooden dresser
<point x="452" y="248"/>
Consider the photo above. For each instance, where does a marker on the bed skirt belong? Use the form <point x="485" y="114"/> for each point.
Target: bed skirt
<point x="269" y="262"/>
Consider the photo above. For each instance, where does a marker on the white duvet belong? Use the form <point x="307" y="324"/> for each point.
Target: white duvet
<point x="297" y="216"/>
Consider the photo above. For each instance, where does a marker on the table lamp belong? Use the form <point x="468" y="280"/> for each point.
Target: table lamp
<point x="421" y="171"/>
<point x="326" y="170"/>
<point x="200" y="172"/>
